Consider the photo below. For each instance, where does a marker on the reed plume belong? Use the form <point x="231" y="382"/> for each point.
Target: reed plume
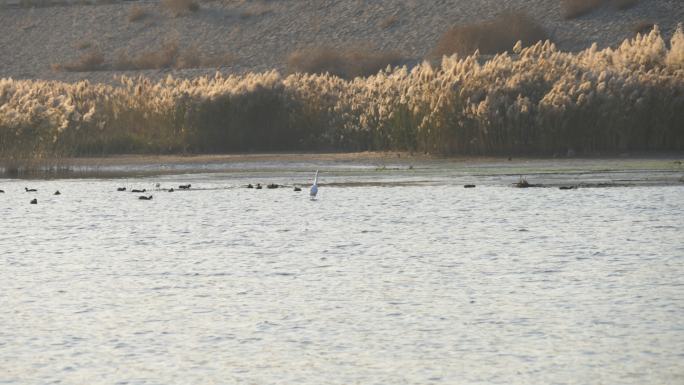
<point x="535" y="100"/>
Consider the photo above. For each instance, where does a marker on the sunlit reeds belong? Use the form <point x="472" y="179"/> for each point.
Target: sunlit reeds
<point x="535" y="100"/>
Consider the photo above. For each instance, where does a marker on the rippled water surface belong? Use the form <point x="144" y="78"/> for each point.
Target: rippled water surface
<point x="405" y="282"/>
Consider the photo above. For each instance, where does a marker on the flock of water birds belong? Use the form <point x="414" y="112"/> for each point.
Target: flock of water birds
<point x="312" y="192"/>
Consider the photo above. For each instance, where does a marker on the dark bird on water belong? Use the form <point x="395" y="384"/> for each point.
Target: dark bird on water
<point x="469" y="186"/>
<point x="2" y="191"/>
<point x="121" y="189"/>
<point x="171" y="189"/>
<point x="185" y="186"/>
<point x="523" y="183"/>
<point x="273" y="185"/>
<point x="250" y="186"/>
<point x="138" y="191"/>
<point x="30" y="189"/>
<point x="567" y="187"/>
<point x="145" y="198"/>
<point x="297" y="189"/>
<point x="258" y="186"/>
<point x="57" y="193"/>
<point x="34" y="201"/>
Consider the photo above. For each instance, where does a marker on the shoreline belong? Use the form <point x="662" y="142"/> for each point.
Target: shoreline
<point x="340" y="156"/>
<point x="641" y="166"/>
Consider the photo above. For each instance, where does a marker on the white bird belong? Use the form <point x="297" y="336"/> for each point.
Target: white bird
<point x="314" y="187"/>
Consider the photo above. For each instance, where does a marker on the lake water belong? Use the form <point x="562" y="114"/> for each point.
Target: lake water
<point x="388" y="278"/>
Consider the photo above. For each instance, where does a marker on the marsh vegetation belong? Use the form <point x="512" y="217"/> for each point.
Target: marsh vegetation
<point x="534" y="100"/>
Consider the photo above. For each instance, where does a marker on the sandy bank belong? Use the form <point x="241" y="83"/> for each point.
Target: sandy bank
<point x="258" y="35"/>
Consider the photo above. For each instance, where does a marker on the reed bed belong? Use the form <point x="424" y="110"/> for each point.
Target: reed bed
<point x="535" y="100"/>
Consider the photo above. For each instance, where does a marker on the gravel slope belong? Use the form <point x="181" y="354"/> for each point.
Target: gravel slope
<point x="259" y="34"/>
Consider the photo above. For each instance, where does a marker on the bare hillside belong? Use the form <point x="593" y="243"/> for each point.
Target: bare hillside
<point x="70" y="40"/>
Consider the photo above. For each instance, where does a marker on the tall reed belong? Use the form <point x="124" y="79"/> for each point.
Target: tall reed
<point x="536" y="100"/>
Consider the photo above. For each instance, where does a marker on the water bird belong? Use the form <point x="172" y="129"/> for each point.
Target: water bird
<point x="298" y="189"/>
<point x="138" y="191"/>
<point x="121" y="189"/>
<point x="469" y="186"/>
<point x="185" y="186"/>
<point x="258" y="186"/>
<point x="30" y="189"/>
<point x="273" y="185"/>
<point x="314" y="187"/>
<point x="250" y="186"/>
<point x="57" y="193"/>
<point x="145" y="198"/>
<point x="567" y="187"/>
<point x="171" y="189"/>
<point x="2" y="191"/>
<point x="34" y="201"/>
<point x="523" y="183"/>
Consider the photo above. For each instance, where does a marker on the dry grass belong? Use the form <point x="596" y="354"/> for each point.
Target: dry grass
<point x="92" y="60"/>
<point x="624" y="4"/>
<point x="137" y="13"/>
<point x="539" y="101"/>
<point x="193" y="58"/>
<point x="218" y="60"/>
<point x="180" y="7"/>
<point x="346" y="63"/>
<point x="41" y="3"/>
<point x="389" y="22"/>
<point x="84" y="44"/>
<point x="170" y="55"/>
<point x="164" y="57"/>
<point x="575" y="8"/>
<point x="643" y="27"/>
<point x="55" y="3"/>
<point x="490" y="37"/>
<point x="256" y="10"/>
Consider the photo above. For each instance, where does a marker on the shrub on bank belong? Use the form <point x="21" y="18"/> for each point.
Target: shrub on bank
<point x="180" y="7"/>
<point x="346" y="63"/>
<point x="575" y="8"/>
<point x="491" y="36"/>
<point x="136" y="13"/>
<point x="169" y="55"/>
<point x="643" y="27"/>
<point x="163" y="57"/>
<point x="624" y="4"/>
<point x="92" y="60"/>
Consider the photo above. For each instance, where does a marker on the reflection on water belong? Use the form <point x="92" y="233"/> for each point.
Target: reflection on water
<point x="428" y="283"/>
